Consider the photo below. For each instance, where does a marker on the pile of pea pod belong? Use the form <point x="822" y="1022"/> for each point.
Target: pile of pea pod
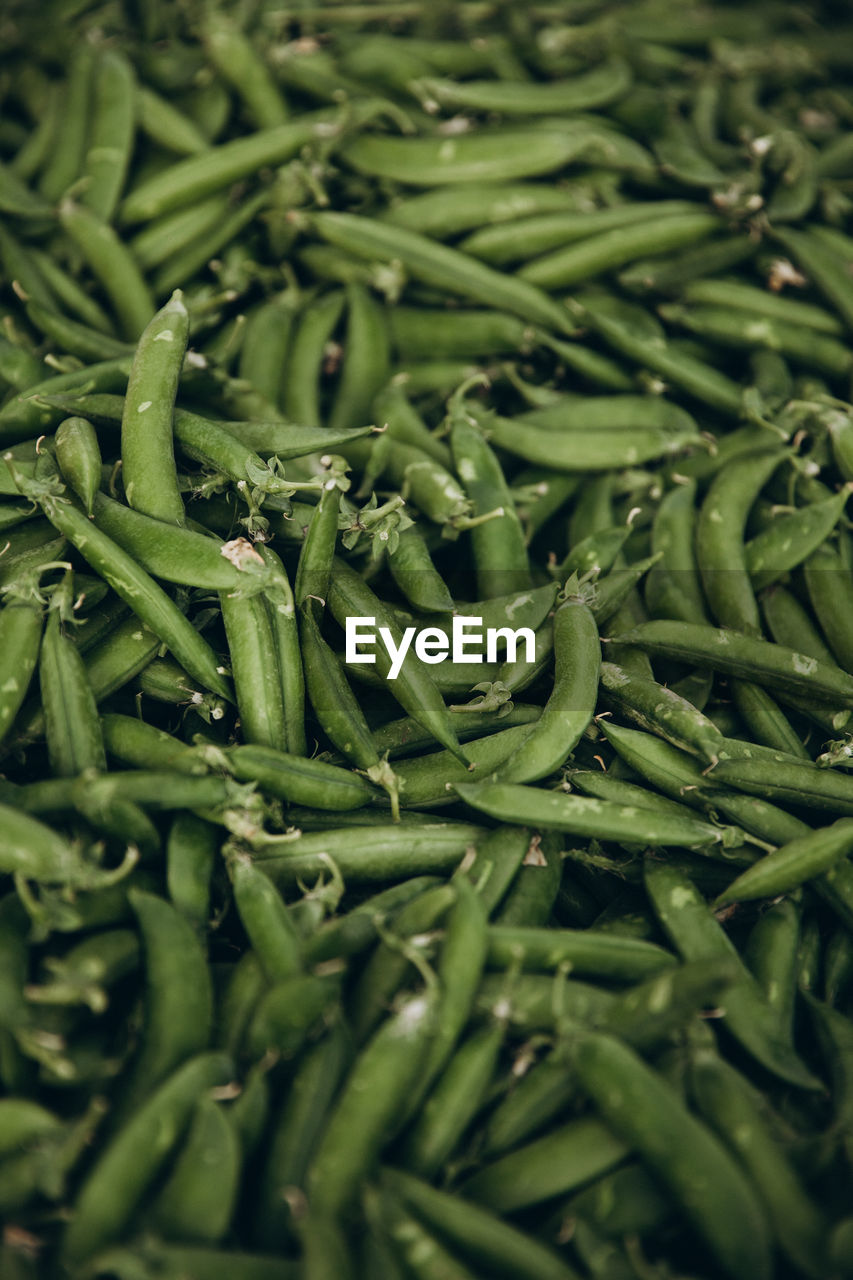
<point x="537" y="967"/>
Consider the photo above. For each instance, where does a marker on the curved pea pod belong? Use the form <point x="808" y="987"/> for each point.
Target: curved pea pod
<point x="195" y="177"/>
<point x="131" y="1160"/>
<point x="662" y="711"/>
<point x="729" y="1105"/>
<point x="79" y="458"/>
<point x="571" y="704"/>
<point x="182" y="1260"/>
<point x="21" y="626"/>
<point x="269" y="927"/>
<point x="415" y="574"/>
<point x="389" y="966"/>
<point x="580" y="815"/>
<point x="719" y="537"/>
<point x="112" y="263"/>
<point x="143" y="746"/>
<point x="691" y="926"/>
<point x="366" y="362"/>
<point x="94" y="798"/>
<point x="442" y="213"/>
<point x="179" y="555"/>
<point x="480" y="1236"/>
<point x="478" y="157"/>
<point x="242" y="66"/>
<point x="672" y="588"/>
<point x="197" y="1200"/>
<point x="179" y="1000"/>
<point x="428" y="779"/>
<point x="827" y="581"/>
<point x="498" y="545"/>
<point x="650" y="1012"/>
<point x="748" y="657"/>
<point x="780" y="778"/>
<point x="414" y="689"/>
<point x="822" y="265"/>
<point x="597" y="449"/>
<point x="369" y="1102"/>
<point x="337" y="709"/>
<point x="803" y="346"/>
<point x="610" y="249"/>
<point x="793" y="864"/>
<point x="148" y="601"/>
<point x="364" y="854"/>
<point x="438" y="265"/>
<point x="697" y="1169"/>
<point x="567" y="1157"/>
<point x="296" y="1129"/>
<point x="288" y="1012"/>
<point x="23" y="1122"/>
<point x="703" y="382"/>
<point x="72" y="726"/>
<point x="598" y="954"/>
<point x="111" y="133"/>
<point x="299" y="779"/>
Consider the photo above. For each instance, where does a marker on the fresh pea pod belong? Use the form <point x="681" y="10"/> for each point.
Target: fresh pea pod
<point x="583" y="816"/>
<point x="129" y="1163"/>
<point x="698" y="1170"/>
<point x="79" y="457"/>
<point x="693" y="929"/>
<point x="414" y="689"/>
<point x="740" y="655"/>
<point x="358" y="1126"/>
<point x="136" y="588"/>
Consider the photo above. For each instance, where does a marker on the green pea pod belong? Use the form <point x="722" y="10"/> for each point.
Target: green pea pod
<point x="179" y="555"/>
<point x="79" y="458"/>
<point x="296" y="1129"/>
<point x="147" y="449"/>
<point x="179" y="999"/>
<point x="21" y="627"/>
<point x="72" y="727"/>
<point x="113" y="264"/>
<point x="571" y="704"/>
<point x="390" y="964"/>
<point x="428" y="779"/>
<point x="264" y="916"/>
<point x="130" y="1162"/>
<point x="567" y="1157"/>
<point x="414" y="689"/>
<point x="148" y="601"/>
<point x="453" y="1103"/>
<point x="799" y="782"/>
<point x="582" y="816"/>
<point x="709" y="1185"/>
<point x="392" y="851"/>
<point x="435" y="264"/>
<point x="729" y="1105"/>
<point x="240" y="64"/>
<point x="368" y="1104"/>
<point x="415" y="574"/>
<point x="33" y="850"/>
<point x="600" y="955"/>
<point x="197" y="1200"/>
<point x="662" y="711"/>
<point x="696" y="933"/>
<point x="498" y="546"/>
<point x="740" y="655"/>
<point x="484" y="1238"/>
<point x="195" y="177"/>
<point x="338" y="711"/>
